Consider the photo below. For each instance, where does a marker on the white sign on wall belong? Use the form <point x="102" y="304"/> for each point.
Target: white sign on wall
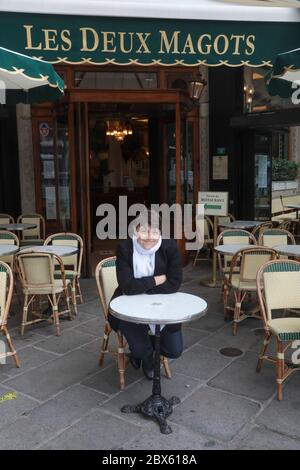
<point x="215" y="203"/>
<point x="220" y="167"/>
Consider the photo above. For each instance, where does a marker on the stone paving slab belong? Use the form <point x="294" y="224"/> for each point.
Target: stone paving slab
<point x="95" y="346"/>
<point x="10" y="410"/>
<point x="241" y="378"/>
<point x="22" y="435"/>
<point x="93" y="327"/>
<point x="66" y="407"/>
<point x="284" y="416"/>
<point x="200" y="362"/>
<point x="98" y="431"/>
<point x="71" y="339"/>
<point x="30" y="357"/>
<point x="92" y="307"/>
<point x="210" y="322"/>
<point x="3" y="376"/>
<point x="214" y="413"/>
<point x="224" y="338"/>
<point x="47" y="420"/>
<point x="107" y="379"/>
<point x="46" y="328"/>
<point x="55" y="376"/>
<point x="180" y="439"/>
<point x="263" y="439"/>
<point x="178" y="385"/>
<point x="29" y="339"/>
<point x="192" y="336"/>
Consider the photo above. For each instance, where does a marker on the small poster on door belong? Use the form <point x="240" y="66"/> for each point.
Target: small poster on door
<point x="50" y="202"/>
<point x="262" y="171"/>
<point x="220" y="167"/>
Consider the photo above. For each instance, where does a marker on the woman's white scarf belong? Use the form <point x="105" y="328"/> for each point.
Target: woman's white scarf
<point x="144" y="263"/>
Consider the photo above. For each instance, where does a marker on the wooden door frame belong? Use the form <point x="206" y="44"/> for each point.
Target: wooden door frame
<point x="158" y="96"/>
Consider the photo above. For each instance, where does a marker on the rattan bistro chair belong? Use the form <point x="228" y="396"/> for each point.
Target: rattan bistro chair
<point x="6" y="289"/>
<point x="8" y="238"/>
<point x="32" y="236"/>
<point x="72" y="263"/>
<point x="37" y="277"/>
<point x="107" y="283"/>
<point x="226" y="219"/>
<point x="6" y="219"/>
<point x="276" y="236"/>
<point x="278" y="287"/>
<point x="244" y="282"/>
<point x="258" y="229"/>
<point x="231" y="237"/>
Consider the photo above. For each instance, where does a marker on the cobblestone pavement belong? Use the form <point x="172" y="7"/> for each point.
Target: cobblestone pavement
<point x="64" y="400"/>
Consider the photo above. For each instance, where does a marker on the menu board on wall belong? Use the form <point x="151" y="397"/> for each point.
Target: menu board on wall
<point x="220" y="167"/>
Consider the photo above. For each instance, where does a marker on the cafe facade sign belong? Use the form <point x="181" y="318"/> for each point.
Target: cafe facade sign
<point x="127" y="41"/>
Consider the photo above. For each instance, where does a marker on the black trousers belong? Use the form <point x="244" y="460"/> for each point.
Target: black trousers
<point x="141" y="344"/>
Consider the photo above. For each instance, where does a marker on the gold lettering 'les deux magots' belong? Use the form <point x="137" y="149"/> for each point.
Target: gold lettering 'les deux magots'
<point x="175" y="42"/>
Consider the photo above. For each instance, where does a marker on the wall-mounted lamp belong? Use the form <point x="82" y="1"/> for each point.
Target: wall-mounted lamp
<point x="196" y="87"/>
<point x="248" y="98"/>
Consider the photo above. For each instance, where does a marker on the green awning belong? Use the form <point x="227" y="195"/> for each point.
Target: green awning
<point x="284" y="77"/>
<point x="126" y="41"/>
<point x="24" y="79"/>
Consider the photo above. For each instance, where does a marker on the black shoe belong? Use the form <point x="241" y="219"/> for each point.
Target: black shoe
<point x="136" y="363"/>
<point x="149" y="373"/>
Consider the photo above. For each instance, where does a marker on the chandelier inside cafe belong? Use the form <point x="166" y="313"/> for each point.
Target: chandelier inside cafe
<point x="118" y="129"/>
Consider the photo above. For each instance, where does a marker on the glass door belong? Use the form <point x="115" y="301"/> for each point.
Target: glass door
<point x="262" y="176"/>
<point x="53" y="172"/>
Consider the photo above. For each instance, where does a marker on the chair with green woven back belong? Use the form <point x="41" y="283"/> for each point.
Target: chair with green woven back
<point x="278" y="288"/>
<point x="72" y="263"/>
<point x="276" y="236"/>
<point x="6" y="290"/>
<point x="231" y="237"/>
<point x="32" y="236"/>
<point x="291" y="226"/>
<point x="106" y="279"/>
<point x="258" y="229"/>
<point x="243" y="282"/>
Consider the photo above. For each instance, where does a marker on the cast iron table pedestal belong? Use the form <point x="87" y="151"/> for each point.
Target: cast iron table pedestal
<point x="156" y="406"/>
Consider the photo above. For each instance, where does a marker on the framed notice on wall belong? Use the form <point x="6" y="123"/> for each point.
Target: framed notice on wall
<point x="220" y="167"/>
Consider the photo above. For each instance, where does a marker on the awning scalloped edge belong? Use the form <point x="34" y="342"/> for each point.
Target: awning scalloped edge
<point x="38" y="79"/>
<point x="89" y="61"/>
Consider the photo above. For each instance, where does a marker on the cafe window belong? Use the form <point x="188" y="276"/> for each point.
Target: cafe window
<point x="116" y="80"/>
<point x="54" y="172"/>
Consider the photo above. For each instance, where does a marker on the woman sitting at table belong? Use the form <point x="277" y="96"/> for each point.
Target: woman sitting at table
<point x="148" y="264"/>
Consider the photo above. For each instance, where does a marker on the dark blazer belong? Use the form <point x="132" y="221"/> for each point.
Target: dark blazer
<point x="167" y="261"/>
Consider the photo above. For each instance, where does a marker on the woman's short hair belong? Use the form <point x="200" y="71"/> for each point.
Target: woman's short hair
<point x="150" y="218"/>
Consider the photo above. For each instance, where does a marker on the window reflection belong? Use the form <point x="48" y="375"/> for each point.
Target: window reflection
<point x="116" y="80"/>
<point x="256" y="96"/>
